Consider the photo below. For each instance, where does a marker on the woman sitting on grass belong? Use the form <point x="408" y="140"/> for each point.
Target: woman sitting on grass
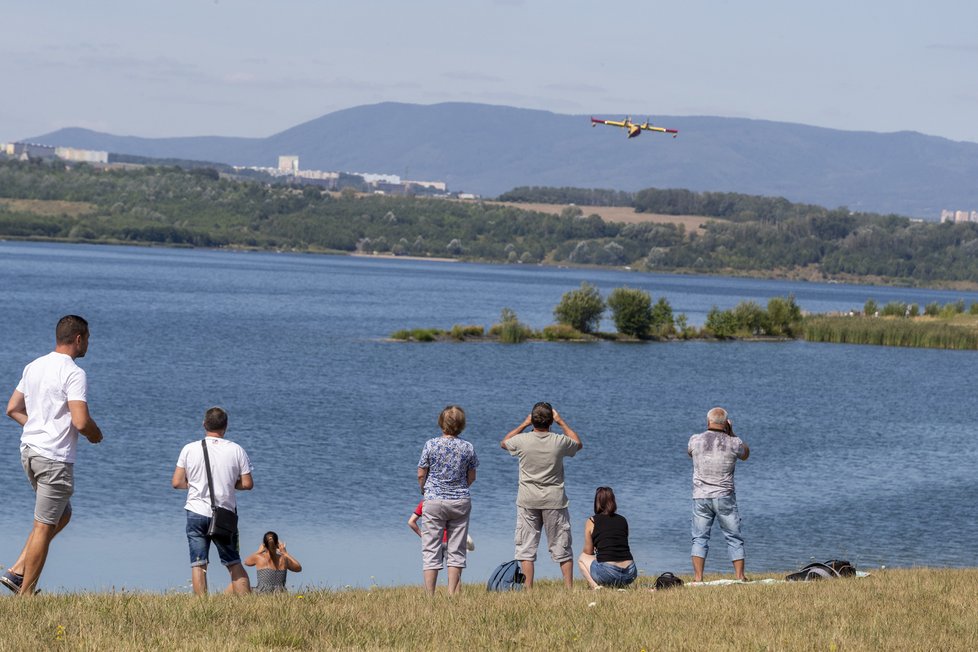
<point x="606" y="560"/>
<point x="272" y="563"/>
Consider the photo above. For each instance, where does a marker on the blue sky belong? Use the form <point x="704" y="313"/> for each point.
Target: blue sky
<point x="250" y="68"/>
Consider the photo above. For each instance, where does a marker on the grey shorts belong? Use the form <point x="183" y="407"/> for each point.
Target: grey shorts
<point x="529" y="523"/>
<point x="437" y="518"/>
<point x="53" y="482"/>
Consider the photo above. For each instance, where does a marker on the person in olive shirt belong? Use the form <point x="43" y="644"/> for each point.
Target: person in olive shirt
<point x="541" y="503"/>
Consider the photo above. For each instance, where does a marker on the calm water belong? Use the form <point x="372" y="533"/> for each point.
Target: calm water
<point x="865" y="453"/>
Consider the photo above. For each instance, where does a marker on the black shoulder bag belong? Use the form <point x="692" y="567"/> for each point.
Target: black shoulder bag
<point x="224" y="522"/>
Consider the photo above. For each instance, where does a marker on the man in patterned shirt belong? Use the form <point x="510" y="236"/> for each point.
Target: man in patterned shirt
<point x="715" y="453"/>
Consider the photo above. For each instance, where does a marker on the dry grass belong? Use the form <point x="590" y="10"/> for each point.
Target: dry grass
<point x="47" y="207"/>
<point x="919" y="609"/>
<point x="623" y="214"/>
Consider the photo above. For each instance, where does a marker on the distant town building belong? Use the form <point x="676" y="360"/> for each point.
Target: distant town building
<point x="26" y="151"/>
<point x="959" y="216"/>
<point x="373" y="179"/>
<point x="377" y="182"/>
<point x="288" y="164"/>
<point x="81" y="155"/>
<point x="434" y="185"/>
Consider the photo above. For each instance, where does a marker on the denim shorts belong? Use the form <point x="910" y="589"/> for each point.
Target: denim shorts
<point x="724" y="511"/>
<point x="200" y="543"/>
<point x="605" y="574"/>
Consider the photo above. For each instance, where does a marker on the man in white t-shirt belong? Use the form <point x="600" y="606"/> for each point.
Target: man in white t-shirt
<point x="230" y="469"/>
<point x="51" y="404"/>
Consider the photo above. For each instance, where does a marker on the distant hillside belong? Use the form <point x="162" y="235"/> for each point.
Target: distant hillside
<point x="490" y="149"/>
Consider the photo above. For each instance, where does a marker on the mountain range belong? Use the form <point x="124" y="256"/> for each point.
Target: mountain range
<point x="488" y="150"/>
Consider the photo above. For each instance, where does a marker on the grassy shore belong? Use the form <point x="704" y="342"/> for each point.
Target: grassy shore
<point x="919" y="609"/>
<point x="957" y="332"/>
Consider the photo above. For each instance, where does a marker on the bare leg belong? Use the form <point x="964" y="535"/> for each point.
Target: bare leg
<point x="240" y="584"/>
<point x="431" y="580"/>
<point x="18" y="566"/>
<point x="567" y="570"/>
<point x="36" y="553"/>
<point x="528" y="571"/>
<point x="739" y="569"/>
<point x="584" y="563"/>
<point x="698" y="563"/>
<point x="454" y="579"/>
<point x="198" y="576"/>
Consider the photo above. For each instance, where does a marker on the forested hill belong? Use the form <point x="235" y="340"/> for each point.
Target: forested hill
<point x="201" y="208"/>
<point x="490" y="149"/>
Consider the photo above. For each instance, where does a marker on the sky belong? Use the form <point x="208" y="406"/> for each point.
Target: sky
<point x="160" y="68"/>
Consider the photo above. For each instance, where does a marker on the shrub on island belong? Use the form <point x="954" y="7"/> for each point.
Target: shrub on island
<point x="631" y="310"/>
<point x="461" y="331"/>
<point x="562" y="333"/>
<point x="510" y="330"/>
<point x="417" y="334"/>
<point x="581" y="308"/>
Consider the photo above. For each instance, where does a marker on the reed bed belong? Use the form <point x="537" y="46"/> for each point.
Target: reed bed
<point x="921" y="332"/>
<point x="919" y="609"/>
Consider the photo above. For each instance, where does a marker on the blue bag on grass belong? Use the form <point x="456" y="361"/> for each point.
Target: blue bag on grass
<point x="506" y="577"/>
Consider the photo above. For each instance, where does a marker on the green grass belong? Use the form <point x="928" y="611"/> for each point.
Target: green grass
<point x="920" y="609"/>
<point x="959" y="332"/>
<point x="417" y="334"/>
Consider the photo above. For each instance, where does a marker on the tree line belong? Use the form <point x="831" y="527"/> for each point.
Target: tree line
<point x="203" y="207"/>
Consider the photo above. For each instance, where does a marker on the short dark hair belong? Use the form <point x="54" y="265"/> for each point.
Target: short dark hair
<point x="542" y="416"/>
<point x="604" y="501"/>
<point x="70" y="327"/>
<point x="215" y="420"/>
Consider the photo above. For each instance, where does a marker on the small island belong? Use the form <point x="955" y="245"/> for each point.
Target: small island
<point x="638" y="319"/>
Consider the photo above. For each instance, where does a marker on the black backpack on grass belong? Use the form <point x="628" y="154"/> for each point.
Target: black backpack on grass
<point x="827" y="570"/>
<point x="667" y="581"/>
<point x="506" y="577"/>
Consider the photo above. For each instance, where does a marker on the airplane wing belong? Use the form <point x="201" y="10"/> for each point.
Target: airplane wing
<point x="610" y="123"/>
<point x="661" y="130"/>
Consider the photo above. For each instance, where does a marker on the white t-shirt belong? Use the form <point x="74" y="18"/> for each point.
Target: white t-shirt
<point x="48" y="384"/>
<point x="228" y="463"/>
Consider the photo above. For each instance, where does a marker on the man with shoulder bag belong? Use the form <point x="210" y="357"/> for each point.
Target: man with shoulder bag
<point x="211" y="470"/>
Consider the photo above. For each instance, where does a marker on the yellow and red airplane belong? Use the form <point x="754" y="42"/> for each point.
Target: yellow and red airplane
<point x="634" y="128"/>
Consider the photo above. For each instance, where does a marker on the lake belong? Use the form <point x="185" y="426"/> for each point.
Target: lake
<point x="856" y="450"/>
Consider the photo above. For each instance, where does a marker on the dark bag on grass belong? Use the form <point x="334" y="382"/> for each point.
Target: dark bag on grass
<point x="506" y="577"/>
<point x="667" y="581"/>
<point x="224" y="522"/>
<point x="828" y="570"/>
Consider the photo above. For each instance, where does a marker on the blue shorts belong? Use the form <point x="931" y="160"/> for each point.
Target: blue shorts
<point x="605" y="574"/>
<point x="200" y="543"/>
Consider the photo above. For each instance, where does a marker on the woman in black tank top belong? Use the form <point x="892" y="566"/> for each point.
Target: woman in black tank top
<point x="607" y="559"/>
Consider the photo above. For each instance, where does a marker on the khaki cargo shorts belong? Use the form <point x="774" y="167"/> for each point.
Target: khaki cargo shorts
<point x="529" y="523"/>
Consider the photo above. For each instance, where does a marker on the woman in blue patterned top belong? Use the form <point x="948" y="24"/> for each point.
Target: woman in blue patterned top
<point x="445" y="472"/>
